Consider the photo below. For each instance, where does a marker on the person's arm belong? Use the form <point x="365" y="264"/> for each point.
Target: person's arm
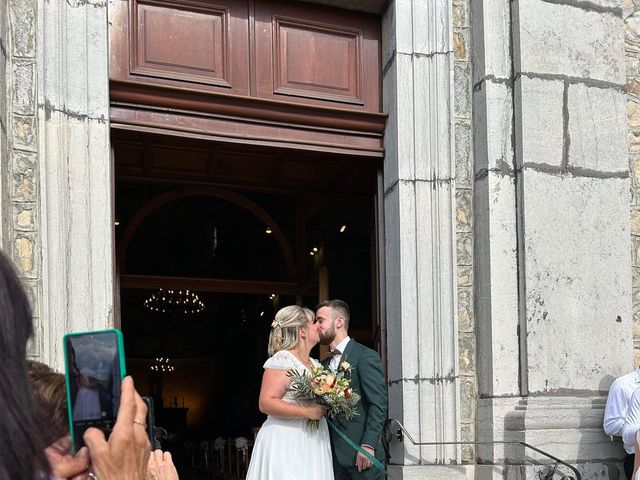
<point x="373" y="388"/>
<point x="632" y="420"/>
<point x="274" y="386"/>
<point x="614" y="411"/>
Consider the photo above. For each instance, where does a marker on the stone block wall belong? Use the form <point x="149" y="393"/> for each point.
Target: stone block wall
<point x="632" y="50"/>
<point x="549" y="110"/>
<point x="463" y="156"/>
<point x="571" y="285"/>
<point x="4" y="155"/>
<point x="19" y="150"/>
<point x="55" y="166"/>
<point x="551" y="225"/>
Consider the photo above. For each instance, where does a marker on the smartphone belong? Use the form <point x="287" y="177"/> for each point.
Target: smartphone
<point x="94" y="369"/>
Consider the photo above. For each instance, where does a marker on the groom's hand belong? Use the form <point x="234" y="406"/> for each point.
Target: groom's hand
<point x="362" y="462"/>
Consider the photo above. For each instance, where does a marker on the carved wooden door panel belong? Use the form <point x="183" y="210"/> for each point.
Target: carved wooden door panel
<point x="202" y="44"/>
<point x="271" y="49"/>
<point x="317" y="55"/>
<point x="269" y="72"/>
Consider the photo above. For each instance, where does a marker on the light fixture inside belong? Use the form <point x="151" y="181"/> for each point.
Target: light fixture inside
<point x="177" y="302"/>
<point x="343" y="228"/>
<point x="268" y="231"/>
<point x="162" y="365"/>
<point x="116" y="222"/>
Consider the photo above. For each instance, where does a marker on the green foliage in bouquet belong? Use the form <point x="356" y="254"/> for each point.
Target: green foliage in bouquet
<point x="327" y="387"/>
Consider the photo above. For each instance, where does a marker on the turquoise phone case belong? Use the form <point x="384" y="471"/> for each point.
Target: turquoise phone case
<point x="123" y="370"/>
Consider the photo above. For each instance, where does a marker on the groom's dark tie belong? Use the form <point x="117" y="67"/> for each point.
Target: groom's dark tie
<point x="332" y="353"/>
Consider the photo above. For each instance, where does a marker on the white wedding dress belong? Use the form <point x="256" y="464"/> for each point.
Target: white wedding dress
<point x="285" y="448"/>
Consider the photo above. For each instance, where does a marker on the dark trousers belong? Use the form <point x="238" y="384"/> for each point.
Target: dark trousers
<point x="628" y="465"/>
<point x="352" y="473"/>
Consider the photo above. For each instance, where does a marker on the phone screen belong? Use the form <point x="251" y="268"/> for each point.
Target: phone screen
<point x="94" y="375"/>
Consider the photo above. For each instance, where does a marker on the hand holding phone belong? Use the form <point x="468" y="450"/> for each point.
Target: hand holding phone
<point x="126" y="454"/>
<point x="94" y="369"/>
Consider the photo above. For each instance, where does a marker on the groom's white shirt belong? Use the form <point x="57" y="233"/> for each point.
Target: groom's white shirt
<point x="335" y="360"/>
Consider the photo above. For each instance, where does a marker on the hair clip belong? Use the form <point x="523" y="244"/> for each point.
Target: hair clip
<point x="277" y="324"/>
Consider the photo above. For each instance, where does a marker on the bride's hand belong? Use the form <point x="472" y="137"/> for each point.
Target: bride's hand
<point x="316" y="411"/>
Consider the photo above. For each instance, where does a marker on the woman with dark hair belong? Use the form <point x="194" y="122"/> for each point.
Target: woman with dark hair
<point x="21" y="444"/>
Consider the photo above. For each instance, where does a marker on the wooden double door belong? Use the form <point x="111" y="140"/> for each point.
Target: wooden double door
<point x="246" y="117"/>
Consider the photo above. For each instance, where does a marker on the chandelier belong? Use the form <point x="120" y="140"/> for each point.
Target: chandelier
<point x="162" y="365"/>
<point x="176" y="302"/>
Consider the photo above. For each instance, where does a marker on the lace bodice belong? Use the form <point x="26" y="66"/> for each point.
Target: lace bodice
<point x="285" y="360"/>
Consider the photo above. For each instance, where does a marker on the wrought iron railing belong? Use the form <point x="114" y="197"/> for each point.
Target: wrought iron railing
<point x="550" y="474"/>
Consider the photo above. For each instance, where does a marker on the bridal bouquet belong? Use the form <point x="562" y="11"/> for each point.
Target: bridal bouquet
<point x="327" y="387"/>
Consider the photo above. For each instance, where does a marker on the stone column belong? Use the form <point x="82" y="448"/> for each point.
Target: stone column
<point x="552" y="198"/>
<point x="55" y="168"/>
<point x="495" y="252"/>
<point x="21" y="238"/>
<point x="76" y="172"/>
<point x="420" y="246"/>
<point x="4" y="146"/>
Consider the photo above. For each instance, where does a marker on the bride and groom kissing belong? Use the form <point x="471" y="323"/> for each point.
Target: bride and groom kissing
<point x="286" y="448"/>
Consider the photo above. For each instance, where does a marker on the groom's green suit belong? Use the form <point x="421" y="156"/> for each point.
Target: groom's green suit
<point x="365" y="428"/>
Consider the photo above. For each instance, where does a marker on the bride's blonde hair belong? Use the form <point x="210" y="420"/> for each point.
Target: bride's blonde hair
<point x="286" y="327"/>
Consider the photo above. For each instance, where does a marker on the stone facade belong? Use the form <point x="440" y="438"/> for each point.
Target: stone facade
<point x="552" y="265"/>
<point x="76" y="180"/>
<point x="4" y="141"/>
<point x="632" y="48"/>
<point x="572" y="284"/>
<point x="19" y="151"/>
<point x="420" y="233"/>
<point x="55" y="188"/>
<point x="506" y="212"/>
<point x="463" y="157"/>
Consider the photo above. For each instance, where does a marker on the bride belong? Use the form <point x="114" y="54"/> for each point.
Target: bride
<point x="285" y="448"/>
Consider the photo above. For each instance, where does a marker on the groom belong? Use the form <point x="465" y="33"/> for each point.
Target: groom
<point x="365" y="429"/>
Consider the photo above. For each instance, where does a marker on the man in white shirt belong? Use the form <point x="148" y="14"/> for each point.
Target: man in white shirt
<point x="631" y="426"/>
<point x="616" y="421"/>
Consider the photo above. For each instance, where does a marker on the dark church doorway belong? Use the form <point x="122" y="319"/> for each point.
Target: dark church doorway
<point x="212" y="239"/>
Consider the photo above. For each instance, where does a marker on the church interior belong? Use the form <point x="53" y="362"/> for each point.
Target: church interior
<point x="212" y="239"/>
